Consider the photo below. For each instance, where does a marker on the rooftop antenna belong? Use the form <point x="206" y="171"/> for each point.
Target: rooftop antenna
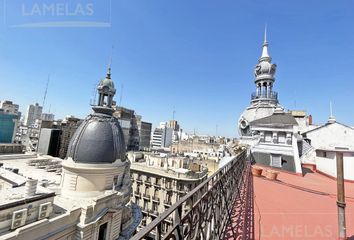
<point x="331" y="118"/>
<point x="50" y="106"/>
<point x="121" y="95"/>
<point x="173" y="113"/>
<point x="110" y="58"/>
<point x="265" y="33"/>
<point x="93" y="99"/>
<point x="330" y="108"/>
<point x="45" y="92"/>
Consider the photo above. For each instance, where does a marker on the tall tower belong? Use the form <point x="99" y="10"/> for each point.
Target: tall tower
<point x="264" y="73"/>
<point x="264" y="100"/>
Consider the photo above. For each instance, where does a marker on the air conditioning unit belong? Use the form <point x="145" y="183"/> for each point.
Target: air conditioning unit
<point x="45" y="210"/>
<point x="19" y="218"/>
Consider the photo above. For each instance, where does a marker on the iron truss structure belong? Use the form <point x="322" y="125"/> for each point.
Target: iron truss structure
<point x="219" y="208"/>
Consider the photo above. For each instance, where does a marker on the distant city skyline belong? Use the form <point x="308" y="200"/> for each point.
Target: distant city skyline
<point x="196" y="58"/>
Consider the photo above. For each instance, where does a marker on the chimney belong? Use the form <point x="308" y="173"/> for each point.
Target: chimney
<point x="31" y="187"/>
<point x="310" y="119"/>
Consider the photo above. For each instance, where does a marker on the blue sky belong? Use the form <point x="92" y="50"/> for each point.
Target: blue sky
<point x="191" y="55"/>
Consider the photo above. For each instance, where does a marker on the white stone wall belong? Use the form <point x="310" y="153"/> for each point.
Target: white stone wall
<point x="328" y="165"/>
<point x="331" y="136"/>
<point x="328" y="138"/>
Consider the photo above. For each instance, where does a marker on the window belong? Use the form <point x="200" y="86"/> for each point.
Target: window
<point x="321" y="154"/>
<point x="281" y="137"/>
<point x="275" y="160"/>
<point x="154" y="207"/>
<point x="156" y="194"/>
<point x="146" y="205"/>
<point x="102" y="234"/>
<point x="147" y="192"/>
<point x="268" y="137"/>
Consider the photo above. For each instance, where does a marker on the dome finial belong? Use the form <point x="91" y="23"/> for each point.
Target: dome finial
<point x="110" y="65"/>
<point x="109" y="68"/>
<point x="106" y="91"/>
<point x="265" y="54"/>
<point x="108" y="73"/>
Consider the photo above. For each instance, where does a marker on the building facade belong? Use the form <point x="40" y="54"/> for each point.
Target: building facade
<point x="160" y="181"/>
<point x="49" y="142"/>
<point x="162" y="136"/>
<point x="33" y="113"/>
<point x="324" y="142"/>
<point x="136" y="133"/>
<point x="8" y="126"/>
<point x="144" y="134"/>
<point x="277" y="144"/>
<point x="10" y="107"/>
<point x="68" y="127"/>
<point x="47" y="116"/>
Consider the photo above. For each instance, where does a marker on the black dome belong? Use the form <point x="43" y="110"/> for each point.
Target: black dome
<point x="99" y="139"/>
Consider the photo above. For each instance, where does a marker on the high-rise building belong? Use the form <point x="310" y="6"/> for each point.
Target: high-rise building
<point x="144" y="134"/>
<point x="174" y="125"/>
<point x="128" y="121"/>
<point x="10" y="107"/>
<point x="8" y="126"/>
<point x="136" y="133"/>
<point x="68" y="127"/>
<point x="162" y="136"/>
<point x="47" y="116"/>
<point x="33" y="112"/>
<point x="9" y="120"/>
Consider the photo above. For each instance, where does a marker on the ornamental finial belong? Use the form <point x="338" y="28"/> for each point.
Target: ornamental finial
<point x="265" y="54"/>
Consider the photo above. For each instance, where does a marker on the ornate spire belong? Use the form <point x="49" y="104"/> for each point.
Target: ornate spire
<point x="108" y="76"/>
<point x="265" y="54"/>
<point x="264" y="73"/>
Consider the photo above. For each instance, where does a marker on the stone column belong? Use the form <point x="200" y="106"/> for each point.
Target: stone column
<point x="268" y="92"/>
<point x="275" y="137"/>
<point x="259" y="89"/>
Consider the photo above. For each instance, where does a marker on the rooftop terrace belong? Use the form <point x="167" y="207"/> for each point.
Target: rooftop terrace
<point x="232" y="204"/>
<point x="295" y="207"/>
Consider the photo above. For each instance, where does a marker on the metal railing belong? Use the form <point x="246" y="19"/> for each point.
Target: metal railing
<point x="272" y="95"/>
<point x="210" y="210"/>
